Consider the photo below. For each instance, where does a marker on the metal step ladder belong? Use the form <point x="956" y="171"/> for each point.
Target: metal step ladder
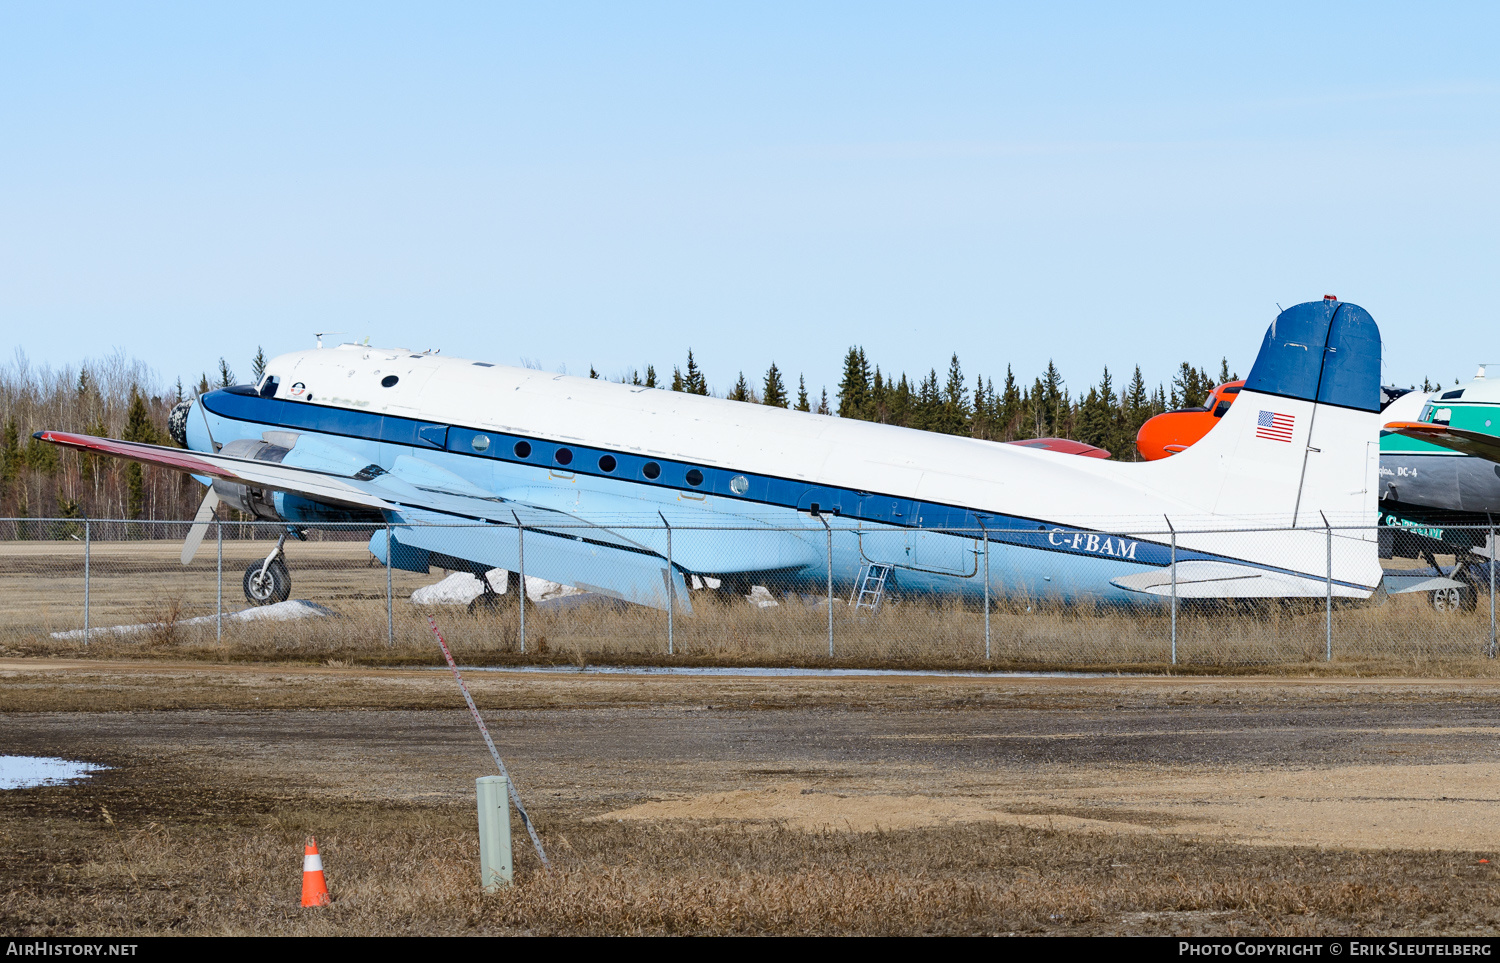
<point x="870" y="588"/>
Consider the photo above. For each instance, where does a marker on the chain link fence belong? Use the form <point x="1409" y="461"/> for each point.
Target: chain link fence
<point x="857" y="596"/>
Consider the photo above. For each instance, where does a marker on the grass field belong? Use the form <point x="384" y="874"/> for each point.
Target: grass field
<point x="133" y="583"/>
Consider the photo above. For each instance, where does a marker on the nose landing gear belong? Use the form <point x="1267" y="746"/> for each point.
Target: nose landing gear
<point x="268" y="581"/>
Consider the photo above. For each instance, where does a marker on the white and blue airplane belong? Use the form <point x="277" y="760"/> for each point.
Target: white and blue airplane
<point x="422" y="443"/>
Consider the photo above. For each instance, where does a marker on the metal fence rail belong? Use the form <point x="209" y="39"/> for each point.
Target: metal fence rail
<point x="77" y="582"/>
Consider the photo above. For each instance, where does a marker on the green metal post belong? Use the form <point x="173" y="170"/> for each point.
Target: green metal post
<point x="492" y="793"/>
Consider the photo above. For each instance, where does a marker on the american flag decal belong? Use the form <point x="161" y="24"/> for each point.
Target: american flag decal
<point x="1274" y="426"/>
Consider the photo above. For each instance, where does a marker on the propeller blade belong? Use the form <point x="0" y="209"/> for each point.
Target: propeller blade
<point x="200" y="525"/>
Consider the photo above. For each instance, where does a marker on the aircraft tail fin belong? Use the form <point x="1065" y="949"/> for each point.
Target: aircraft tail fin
<point x="1301" y="442"/>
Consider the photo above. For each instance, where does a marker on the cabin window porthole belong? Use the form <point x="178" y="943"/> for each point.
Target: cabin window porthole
<point x="522" y="449"/>
<point x="564" y="456"/>
<point x="739" y="484"/>
<point x="694" y="477"/>
<point x="651" y="470"/>
<point x="389" y="381"/>
<point x="606" y="462"/>
<point x="480" y="443"/>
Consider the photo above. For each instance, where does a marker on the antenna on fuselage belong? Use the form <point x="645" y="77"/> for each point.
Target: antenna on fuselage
<point x="319" y="335"/>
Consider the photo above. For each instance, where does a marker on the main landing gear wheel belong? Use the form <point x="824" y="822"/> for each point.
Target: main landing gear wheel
<point x="267" y="584"/>
<point x="1455" y="600"/>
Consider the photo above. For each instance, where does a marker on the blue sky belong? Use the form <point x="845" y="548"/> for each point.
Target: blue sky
<point x="610" y="184"/>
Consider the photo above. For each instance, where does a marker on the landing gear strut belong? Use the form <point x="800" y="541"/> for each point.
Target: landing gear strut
<point x="1454" y="600"/>
<point x="268" y="581"/>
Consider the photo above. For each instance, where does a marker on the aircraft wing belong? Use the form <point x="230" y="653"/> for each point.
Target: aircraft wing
<point x="326" y="487"/>
<point x="572" y="537"/>
<point x="1477" y="443"/>
<point x="1224" y="580"/>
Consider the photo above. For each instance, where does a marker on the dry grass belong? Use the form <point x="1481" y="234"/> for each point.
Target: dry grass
<point x="142" y="583"/>
<point x="413" y="870"/>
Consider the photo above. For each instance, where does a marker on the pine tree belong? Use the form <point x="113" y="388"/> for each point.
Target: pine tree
<point x="594" y="375"/>
<point x="1136" y="404"/>
<point x="1097" y="415"/>
<point x="953" y="413"/>
<point x="1053" y="400"/>
<point x="650" y="376"/>
<point x="138" y="427"/>
<point x="823" y="408"/>
<point x="879" y="408"/>
<point x="1224" y="376"/>
<point x="258" y="365"/>
<point x="203" y="385"/>
<point x="854" y="388"/>
<point x="775" y="392"/>
<point x="927" y="412"/>
<point x="676" y="378"/>
<point x="802" y="404"/>
<point x="1010" y="406"/>
<point x="226" y="377"/>
<point x="179" y="389"/>
<point x="900" y="403"/>
<point x="694" y="383"/>
<point x="740" y="391"/>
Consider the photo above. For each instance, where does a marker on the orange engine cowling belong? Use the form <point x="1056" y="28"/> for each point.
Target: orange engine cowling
<point x="1169" y="433"/>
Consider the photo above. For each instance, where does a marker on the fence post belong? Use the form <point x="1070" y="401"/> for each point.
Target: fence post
<point x="219" y="581"/>
<point x="986" y="532"/>
<point x="829" y="530"/>
<point x="521" y="574"/>
<point x="89" y="551"/>
<point x="390" y="617"/>
<point x="1492" y="588"/>
<point x="1173" y="566"/>
<point x="1328" y="598"/>
<point x="671" y="584"/>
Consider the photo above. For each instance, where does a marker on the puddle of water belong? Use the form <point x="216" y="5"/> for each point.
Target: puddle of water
<point x="21" y="772"/>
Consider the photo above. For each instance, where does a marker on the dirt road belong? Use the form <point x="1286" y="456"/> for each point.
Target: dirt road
<point x="1081" y="805"/>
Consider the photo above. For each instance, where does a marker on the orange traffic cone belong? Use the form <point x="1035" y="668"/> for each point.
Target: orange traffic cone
<point x="314" y="887"/>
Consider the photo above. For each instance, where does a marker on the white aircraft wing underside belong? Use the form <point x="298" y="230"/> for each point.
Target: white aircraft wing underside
<point x="1227" y="580"/>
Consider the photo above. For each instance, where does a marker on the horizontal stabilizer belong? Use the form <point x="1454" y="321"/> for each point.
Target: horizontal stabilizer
<point x="1226" y="580"/>
<point x="1405" y="584"/>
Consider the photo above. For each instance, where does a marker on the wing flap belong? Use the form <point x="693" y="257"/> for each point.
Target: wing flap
<point x="572" y="558"/>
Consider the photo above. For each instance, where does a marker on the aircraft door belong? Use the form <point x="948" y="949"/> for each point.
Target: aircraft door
<point x="950" y="554"/>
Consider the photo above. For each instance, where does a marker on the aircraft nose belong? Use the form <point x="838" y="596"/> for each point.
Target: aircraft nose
<point x="177" y="422"/>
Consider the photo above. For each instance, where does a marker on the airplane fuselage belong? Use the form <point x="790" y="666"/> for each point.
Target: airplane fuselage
<point x="1055" y="525"/>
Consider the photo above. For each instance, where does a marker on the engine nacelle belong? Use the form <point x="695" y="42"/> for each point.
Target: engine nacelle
<point x="274" y="506"/>
<point x="257" y="502"/>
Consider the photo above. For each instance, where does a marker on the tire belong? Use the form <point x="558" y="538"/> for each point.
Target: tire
<point x="488" y="604"/>
<point x="275" y="586"/>
<point x="1452" y="601"/>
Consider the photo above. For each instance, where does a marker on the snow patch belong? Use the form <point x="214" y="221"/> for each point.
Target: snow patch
<point x="288" y="611"/>
<point x="21" y="772"/>
<point x="461" y="588"/>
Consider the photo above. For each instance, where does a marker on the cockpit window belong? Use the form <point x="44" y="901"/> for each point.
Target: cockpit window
<point x="268" y="386"/>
